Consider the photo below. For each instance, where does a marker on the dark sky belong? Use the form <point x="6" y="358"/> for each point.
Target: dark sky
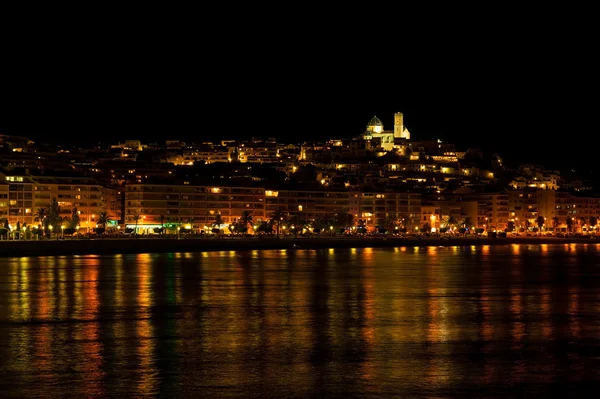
<point x="526" y="92"/>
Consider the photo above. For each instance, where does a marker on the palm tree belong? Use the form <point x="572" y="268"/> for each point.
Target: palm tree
<point x="244" y="221"/>
<point x="555" y="223"/>
<point x="54" y="213"/>
<point x="452" y="221"/>
<point x="466" y="224"/>
<point x="569" y="224"/>
<point x="40" y="216"/>
<point x="136" y="218"/>
<point x="540" y="222"/>
<point x="216" y="224"/>
<point x="582" y="221"/>
<point x="426" y="228"/>
<point x="593" y="222"/>
<point x="3" y="227"/>
<point x="343" y="219"/>
<point x="297" y="224"/>
<point x="161" y="218"/>
<point x="391" y="221"/>
<point x="322" y="224"/>
<point x="74" y="218"/>
<point x="277" y="217"/>
<point x="103" y="219"/>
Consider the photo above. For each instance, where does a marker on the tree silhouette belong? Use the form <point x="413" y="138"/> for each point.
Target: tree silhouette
<point x="217" y="223"/>
<point x="540" y="222"/>
<point x="277" y="217"/>
<point x="244" y="221"/>
<point x="161" y="218"/>
<point x="136" y="218"/>
<point x="569" y="224"/>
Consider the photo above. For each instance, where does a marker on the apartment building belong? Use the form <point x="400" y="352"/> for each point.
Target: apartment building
<point x="492" y="210"/>
<point x="307" y="204"/>
<point x="582" y="211"/>
<point x="23" y="193"/>
<point x="370" y="208"/>
<point x="528" y="204"/>
<point x="156" y="204"/>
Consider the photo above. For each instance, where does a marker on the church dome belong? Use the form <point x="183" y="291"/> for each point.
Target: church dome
<point x="375" y="122"/>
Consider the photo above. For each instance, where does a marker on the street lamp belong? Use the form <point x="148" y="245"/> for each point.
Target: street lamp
<point x="178" y="228"/>
<point x="50" y="227"/>
<point x="62" y="231"/>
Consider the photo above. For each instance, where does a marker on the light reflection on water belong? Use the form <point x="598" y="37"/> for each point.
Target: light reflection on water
<point x="415" y="322"/>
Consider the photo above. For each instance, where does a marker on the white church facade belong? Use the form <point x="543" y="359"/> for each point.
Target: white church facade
<point x="375" y="130"/>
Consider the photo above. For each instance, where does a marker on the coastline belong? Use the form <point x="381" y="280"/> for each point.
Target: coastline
<point x="107" y="246"/>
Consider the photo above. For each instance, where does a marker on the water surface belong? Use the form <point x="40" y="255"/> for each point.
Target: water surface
<point x="425" y="322"/>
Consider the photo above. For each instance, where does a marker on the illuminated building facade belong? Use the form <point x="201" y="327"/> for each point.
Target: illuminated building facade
<point x="375" y="131"/>
<point x="370" y="208"/>
<point x="22" y="195"/>
<point x="193" y="205"/>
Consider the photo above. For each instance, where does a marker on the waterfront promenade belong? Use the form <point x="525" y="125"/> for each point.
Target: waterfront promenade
<point x="21" y="248"/>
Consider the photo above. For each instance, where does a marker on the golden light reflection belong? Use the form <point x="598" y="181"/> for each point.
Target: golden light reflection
<point x="390" y="315"/>
<point x="545" y="310"/>
<point x="44" y="301"/>
<point x="21" y="308"/>
<point x="91" y="341"/>
<point x="437" y="328"/>
<point x="572" y="246"/>
<point x="573" y="312"/>
<point x="144" y="329"/>
<point x="485" y="297"/>
<point x="119" y="327"/>
<point x="43" y="359"/>
<point x="367" y="330"/>
<point x="516" y="249"/>
<point x="62" y="288"/>
<point x="119" y="291"/>
<point x="516" y="309"/>
<point x="367" y="254"/>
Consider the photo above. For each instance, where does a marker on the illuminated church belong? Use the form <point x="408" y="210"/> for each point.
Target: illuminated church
<point x="388" y="137"/>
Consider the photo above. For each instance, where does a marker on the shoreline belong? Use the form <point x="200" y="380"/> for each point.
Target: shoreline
<point x="107" y="246"/>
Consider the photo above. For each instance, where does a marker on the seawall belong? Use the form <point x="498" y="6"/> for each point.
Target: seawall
<point x="162" y="245"/>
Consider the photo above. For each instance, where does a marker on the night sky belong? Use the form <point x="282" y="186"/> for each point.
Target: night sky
<point x="527" y="95"/>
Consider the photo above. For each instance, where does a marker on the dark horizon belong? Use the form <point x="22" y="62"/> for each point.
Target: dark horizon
<point x="523" y="100"/>
<point x="424" y="124"/>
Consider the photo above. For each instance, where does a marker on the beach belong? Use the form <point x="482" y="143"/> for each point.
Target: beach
<point x="21" y="248"/>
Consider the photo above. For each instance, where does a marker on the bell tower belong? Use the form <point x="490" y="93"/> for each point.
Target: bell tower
<point x="399" y="130"/>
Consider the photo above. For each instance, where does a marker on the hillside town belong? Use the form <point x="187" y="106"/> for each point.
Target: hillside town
<point x="378" y="182"/>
